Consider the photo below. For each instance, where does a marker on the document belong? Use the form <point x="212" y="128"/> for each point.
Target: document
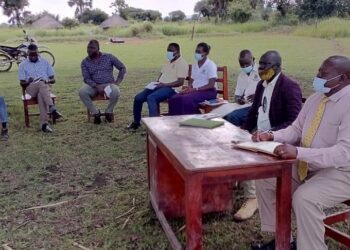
<point x="201" y="123"/>
<point x="267" y="147"/>
<point x="108" y="91"/>
<point x="227" y="108"/>
<point x="151" y="85"/>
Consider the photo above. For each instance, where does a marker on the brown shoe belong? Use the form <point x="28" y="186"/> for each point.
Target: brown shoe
<point x="247" y="210"/>
<point x="109" y="117"/>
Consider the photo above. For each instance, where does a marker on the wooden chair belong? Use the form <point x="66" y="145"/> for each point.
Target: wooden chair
<point x="335" y="218"/>
<point x="99" y="97"/>
<point x="30" y="101"/>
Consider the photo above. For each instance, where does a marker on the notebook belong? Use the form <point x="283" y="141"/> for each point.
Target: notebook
<point x="201" y="123"/>
<point x="266" y="147"/>
<point x="151" y="85"/>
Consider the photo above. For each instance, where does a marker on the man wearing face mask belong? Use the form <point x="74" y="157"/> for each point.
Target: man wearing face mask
<point x="172" y="76"/>
<point x="35" y="75"/>
<point x="202" y="85"/>
<point x="97" y="70"/>
<point x="320" y="139"/>
<point x="278" y="99"/>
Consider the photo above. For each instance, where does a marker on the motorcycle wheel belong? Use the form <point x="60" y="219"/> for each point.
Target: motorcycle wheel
<point x="5" y="63"/>
<point x="48" y="56"/>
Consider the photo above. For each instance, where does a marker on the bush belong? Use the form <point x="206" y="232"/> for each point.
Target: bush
<point x="175" y="30"/>
<point x="240" y="15"/>
<point x="289" y="20"/>
<point x="70" y="22"/>
<point x="96" y="16"/>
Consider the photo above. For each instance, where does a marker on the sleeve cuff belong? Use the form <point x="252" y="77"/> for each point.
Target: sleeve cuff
<point x="277" y="136"/>
<point x="302" y="153"/>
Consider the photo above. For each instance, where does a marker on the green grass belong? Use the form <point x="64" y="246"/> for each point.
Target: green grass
<point x="107" y="165"/>
<point x="330" y="28"/>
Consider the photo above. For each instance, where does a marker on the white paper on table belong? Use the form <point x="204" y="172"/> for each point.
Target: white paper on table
<point x="227" y="108"/>
<point x="151" y="85"/>
<point x="108" y="91"/>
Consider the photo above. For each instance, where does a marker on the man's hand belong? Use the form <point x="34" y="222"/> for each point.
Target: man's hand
<point x="241" y="101"/>
<point x="262" y="136"/>
<point x="286" y="151"/>
<point x="187" y="91"/>
<point x="160" y="84"/>
<point x="250" y="98"/>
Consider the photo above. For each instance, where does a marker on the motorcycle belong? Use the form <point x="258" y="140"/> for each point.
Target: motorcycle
<point x="10" y="55"/>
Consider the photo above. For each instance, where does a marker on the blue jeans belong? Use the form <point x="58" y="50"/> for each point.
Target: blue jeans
<point x="3" y="111"/>
<point x="238" y="116"/>
<point x="153" y="98"/>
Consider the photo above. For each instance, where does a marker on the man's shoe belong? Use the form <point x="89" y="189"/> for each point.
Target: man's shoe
<point x="97" y="118"/>
<point x="271" y="246"/>
<point x="109" y="117"/>
<point x="56" y="115"/>
<point x="4" y="134"/>
<point x="247" y="210"/>
<point x="133" y="126"/>
<point x="46" y="129"/>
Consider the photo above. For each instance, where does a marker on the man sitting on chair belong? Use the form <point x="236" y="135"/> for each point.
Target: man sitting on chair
<point x="35" y="75"/>
<point x="320" y="139"/>
<point x="172" y="75"/>
<point x="97" y="70"/>
<point x="4" y="120"/>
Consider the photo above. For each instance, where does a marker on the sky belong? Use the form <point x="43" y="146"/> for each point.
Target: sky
<point x="61" y="7"/>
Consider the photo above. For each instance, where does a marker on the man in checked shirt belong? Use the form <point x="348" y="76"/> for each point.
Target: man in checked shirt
<point x="97" y="70"/>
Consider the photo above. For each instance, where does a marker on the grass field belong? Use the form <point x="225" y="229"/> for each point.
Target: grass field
<point x="102" y="169"/>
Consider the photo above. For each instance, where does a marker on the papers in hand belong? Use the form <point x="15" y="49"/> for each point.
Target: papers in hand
<point x="151" y="85"/>
<point x="267" y="147"/>
<point x="108" y="91"/>
<point x="36" y="80"/>
<point x="227" y="108"/>
<point x="214" y="102"/>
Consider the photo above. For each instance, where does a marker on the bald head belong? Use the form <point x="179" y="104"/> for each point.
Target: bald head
<point x="272" y="57"/>
<point x="340" y="64"/>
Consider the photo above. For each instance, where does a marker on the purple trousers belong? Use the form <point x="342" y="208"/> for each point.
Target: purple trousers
<point x="187" y="104"/>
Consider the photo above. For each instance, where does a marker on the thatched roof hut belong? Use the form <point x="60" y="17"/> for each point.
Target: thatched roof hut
<point x="114" y="21"/>
<point x="47" y="22"/>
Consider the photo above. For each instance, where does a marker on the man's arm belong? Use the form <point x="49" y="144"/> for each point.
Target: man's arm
<point x="293" y="99"/>
<point x="87" y="76"/>
<point x="121" y="67"/>
<point x="179" y="82"/>
<point x="335" y="156"/>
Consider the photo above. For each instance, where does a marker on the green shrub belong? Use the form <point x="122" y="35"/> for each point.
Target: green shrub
<point x="289" y="20"/>
<point x="241" y="15"/>
<point x="175" y="30"/>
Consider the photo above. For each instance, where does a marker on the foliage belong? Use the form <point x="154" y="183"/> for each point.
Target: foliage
<point x="81" y="6"/>
<point x="70" y="22"/>
<point x="241" y="11"/>
<point x="310" y="9"/>
<point x="140" y="14"/>
<point x="289" y="19"/>
<point x="118" y="5"/>
<point x="95" y="16"/>
<point x="202" y="8"/>
<point x="15" y="10"/>
<point x="177" y="15"/>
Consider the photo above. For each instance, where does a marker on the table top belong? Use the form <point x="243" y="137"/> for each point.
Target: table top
<point x="199" y="149"/>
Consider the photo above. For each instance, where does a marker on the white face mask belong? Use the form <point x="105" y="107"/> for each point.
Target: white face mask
<point x="319" y="84"/>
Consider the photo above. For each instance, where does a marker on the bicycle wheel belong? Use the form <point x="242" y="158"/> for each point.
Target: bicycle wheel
<point x="48" y="56"/>
<point x="5" y="62"/>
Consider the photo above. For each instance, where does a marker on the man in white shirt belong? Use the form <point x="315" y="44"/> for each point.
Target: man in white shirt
<point x="247" y="81"/>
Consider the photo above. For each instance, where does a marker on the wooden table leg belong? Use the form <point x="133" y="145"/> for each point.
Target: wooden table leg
<point x="284" y="208"/>
<point x="193" y="201"/>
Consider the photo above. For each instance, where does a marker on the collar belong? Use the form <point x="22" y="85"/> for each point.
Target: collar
<point x="273" y="82"/>
<point x="175" y="60"/>
<point x="101" y="54"/>
<point x="205" y="63"/>
<point x="337" y="96"/>
<point x="39" y="60"/>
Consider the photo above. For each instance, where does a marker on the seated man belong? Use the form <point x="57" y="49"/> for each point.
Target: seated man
<point x="320" y="139"/>
<point x="4" y="120"/>
<point x="97" y="69"/>
<point x="202" y="85"/>
<point x="172" y="75"/>
<point x="35" y="75"/>
<point x="277" y="103"/>
<point x="247" y="81"/>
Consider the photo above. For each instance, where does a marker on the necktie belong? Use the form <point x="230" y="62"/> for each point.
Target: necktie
<point x="309" y="136"/>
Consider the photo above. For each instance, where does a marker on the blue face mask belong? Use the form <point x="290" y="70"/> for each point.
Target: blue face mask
<point x="170" y="55"/>
<point x="248" y="69"/>
<point x="198" y="56"/>
<point x="319" y="84"/>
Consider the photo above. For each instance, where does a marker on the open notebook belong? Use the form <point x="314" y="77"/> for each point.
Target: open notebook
<point x="267" y="147"/>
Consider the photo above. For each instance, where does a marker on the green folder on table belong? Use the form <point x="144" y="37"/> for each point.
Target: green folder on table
<point x="201" y="123"/>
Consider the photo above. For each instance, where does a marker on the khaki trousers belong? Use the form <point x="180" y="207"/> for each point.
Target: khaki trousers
<point x="87" y="92"/>
<point x="249" y="189"/>
<point x="323" y="189"/>
<point x="42" y="92"/>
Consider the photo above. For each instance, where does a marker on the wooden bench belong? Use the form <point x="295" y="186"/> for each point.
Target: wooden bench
<point x="222" y="86"/>
<point x="30" y="101"/>
<point x="334" y="233"/>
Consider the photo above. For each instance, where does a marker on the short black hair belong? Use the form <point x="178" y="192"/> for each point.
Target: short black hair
<point x="205" y="46"/>
<point x="94" y="41"/>
<point x="244" y="53"/>
<point x="175" y="45"/>
<point x="32" y="47"/>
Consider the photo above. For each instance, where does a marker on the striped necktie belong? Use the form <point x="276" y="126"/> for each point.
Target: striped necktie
<point x="310" y="134"/>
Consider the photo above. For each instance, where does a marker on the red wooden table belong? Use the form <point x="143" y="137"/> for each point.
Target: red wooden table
<point x="191" y="171"/>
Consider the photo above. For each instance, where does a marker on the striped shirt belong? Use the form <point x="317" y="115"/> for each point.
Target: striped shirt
<point x="100" y="70"/>
<point x="39" y="69"/>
